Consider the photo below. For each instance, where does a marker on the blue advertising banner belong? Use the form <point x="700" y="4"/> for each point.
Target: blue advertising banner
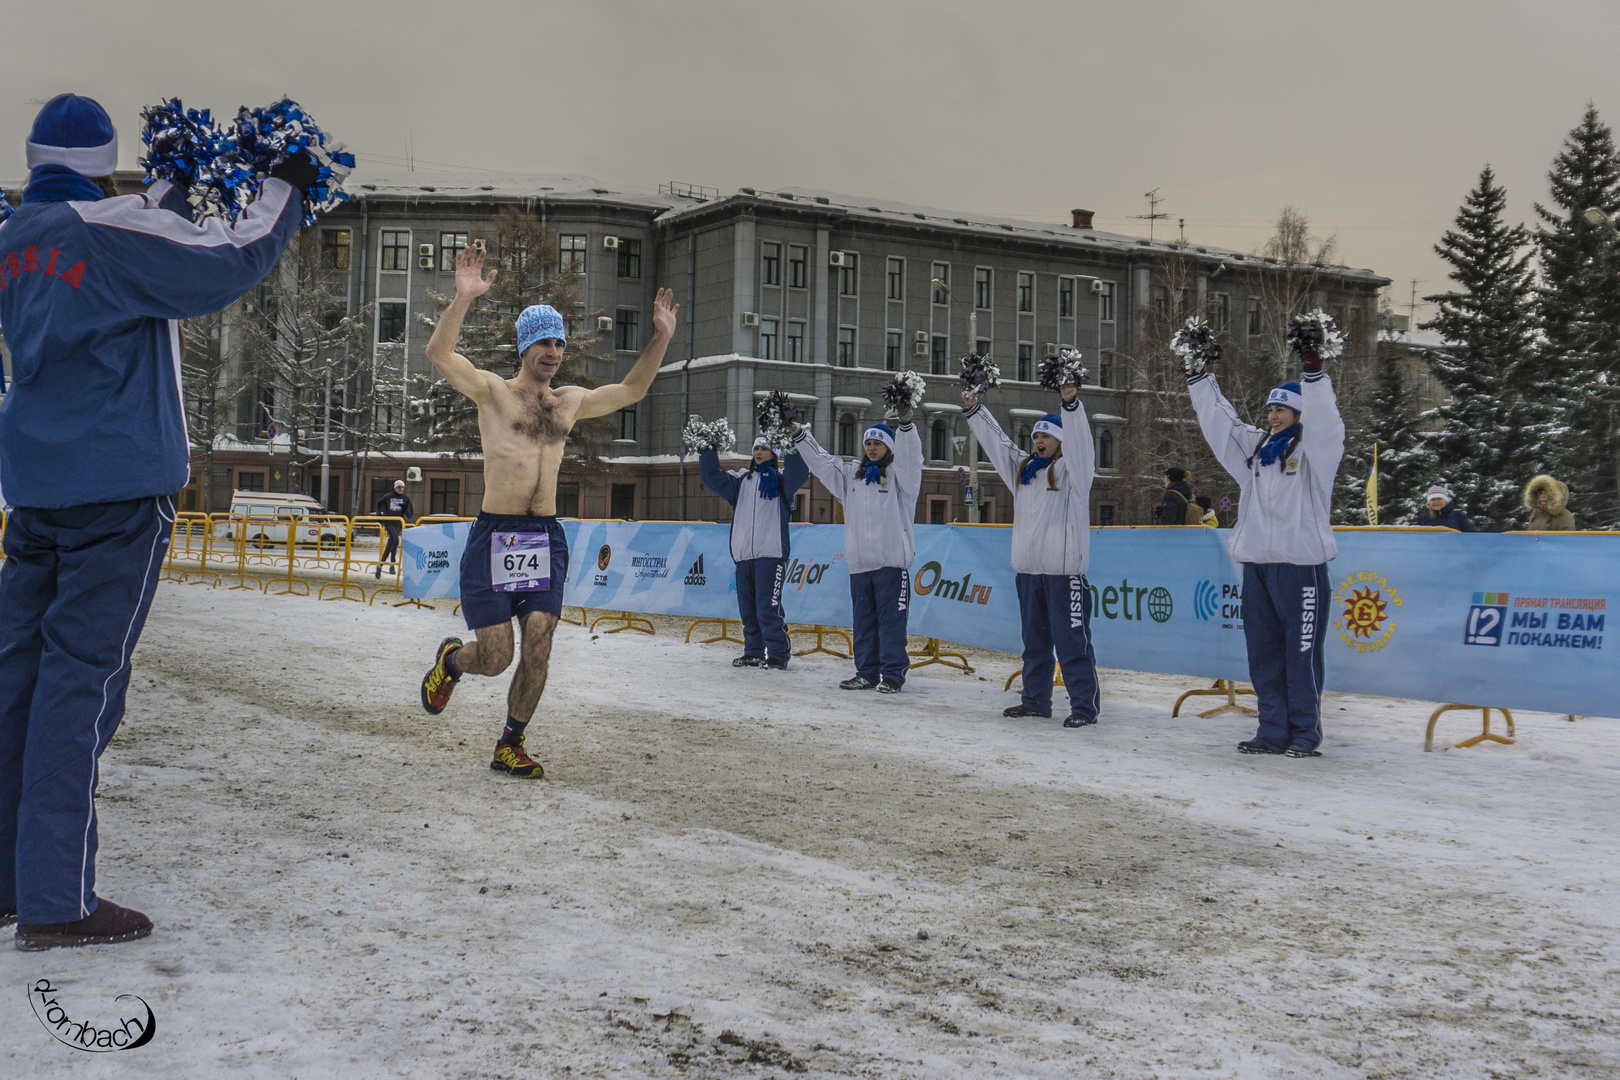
<point x="1517" y="620"/>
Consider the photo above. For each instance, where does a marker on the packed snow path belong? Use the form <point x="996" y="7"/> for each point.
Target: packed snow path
<point x="737" y="873"/>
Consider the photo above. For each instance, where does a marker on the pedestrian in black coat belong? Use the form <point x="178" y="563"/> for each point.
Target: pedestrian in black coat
<point x="1443" y="512"/>
<point x="1178" y="495"/>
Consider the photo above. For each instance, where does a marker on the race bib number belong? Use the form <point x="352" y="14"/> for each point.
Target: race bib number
<point x="520" y="561"/>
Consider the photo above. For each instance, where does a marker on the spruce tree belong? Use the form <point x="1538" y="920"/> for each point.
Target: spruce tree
<point x="1579" y="308"/>
<point x="1405" y="465"/>
<point x="1492" y="432"/>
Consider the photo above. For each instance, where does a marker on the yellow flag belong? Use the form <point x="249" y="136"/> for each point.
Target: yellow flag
<point x="1372" y="490"/>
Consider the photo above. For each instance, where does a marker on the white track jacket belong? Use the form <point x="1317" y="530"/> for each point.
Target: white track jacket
<point x="1051" y="531"/>
<point x="1284" y="511"/>
<point x="877" y="517"/>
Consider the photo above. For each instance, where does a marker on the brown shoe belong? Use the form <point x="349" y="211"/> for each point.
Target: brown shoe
<point x="107" y="924"/>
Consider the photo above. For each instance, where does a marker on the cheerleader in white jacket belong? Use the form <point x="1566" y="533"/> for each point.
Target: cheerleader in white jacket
<point x="879" y="495"/>
<point x="1051" y="546"/>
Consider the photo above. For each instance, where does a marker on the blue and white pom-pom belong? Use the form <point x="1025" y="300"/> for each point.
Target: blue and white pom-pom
<point x="265" y="137"/>
<point x="1314" y="332"/>
<point x="185" y="147"/>
<point x="700" y="435"/>
<point x="1064" y="369"/>
<point x="778" y="421"/>
<point x="978" y="375"/>
<point x="904" y="392"/>
<point x="5" y="207"/>
<point x="1196" y="346"/>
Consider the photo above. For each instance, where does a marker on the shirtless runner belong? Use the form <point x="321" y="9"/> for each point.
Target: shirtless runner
<point x="517" y="556"/>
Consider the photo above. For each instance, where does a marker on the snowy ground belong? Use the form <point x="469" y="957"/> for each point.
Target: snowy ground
<point x="736" y="873"/>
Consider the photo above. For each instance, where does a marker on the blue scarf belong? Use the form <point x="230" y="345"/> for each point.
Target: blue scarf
<point x="770" y="484"/>
<point x="1278" y="445"/>
<point x="871" y="471"/>
<point x="58" y="183"/>
<point x="1034" y="465"/>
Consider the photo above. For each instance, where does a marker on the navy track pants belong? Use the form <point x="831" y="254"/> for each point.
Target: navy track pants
<point x="881" y="599"/>
<point x="759" y="602"/>
<point x="74" y="592"/>
<point x="1056" y="613"/>
<point x="1285" y="611"/>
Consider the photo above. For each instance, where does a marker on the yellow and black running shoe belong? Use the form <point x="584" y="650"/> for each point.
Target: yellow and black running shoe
<point x="438" y="684"/>
<point x="511" y="758"/>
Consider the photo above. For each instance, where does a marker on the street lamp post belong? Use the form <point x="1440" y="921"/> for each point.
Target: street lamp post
<point x="975" y="500"/>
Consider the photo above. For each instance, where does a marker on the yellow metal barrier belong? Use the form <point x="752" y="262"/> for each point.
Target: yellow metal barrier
<point x="583" y="615"/>
<point x="931" y="654"/>
<point x="1057" y="670"/>
<point x="1485" y="735"/>
<point x="822" y="633"/>
<point x="630" y="619"/>
<point x="725" y="631"/>
<point x="1222" y="686"/>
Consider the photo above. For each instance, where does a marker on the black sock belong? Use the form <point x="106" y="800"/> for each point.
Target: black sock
<point x="512" y="734"/>
<point x="450" y="663"/>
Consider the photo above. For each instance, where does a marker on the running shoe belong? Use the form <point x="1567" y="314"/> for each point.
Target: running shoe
<point x="438" y="684"/>
<point x="1076" y="719"/>
<point x="857" y="683"/>
<point x="1255" y="746"/>
<point x="748" y="661"/>
<point x="511" y="758"/>
<point x="886" y="686"/>
<point x="1300" y="750"/>
<point x="774" y="663"/>
<point x="1019" y="711"/>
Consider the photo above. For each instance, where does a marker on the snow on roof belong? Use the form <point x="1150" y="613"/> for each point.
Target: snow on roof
<point x="1422" y="339"/>
<point x="469" y="185"/>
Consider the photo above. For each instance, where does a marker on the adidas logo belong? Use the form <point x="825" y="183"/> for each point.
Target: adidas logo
<point x="694" y="573"/>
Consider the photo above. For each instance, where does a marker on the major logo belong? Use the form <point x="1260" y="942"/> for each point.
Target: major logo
<point x="1366" y="622"/>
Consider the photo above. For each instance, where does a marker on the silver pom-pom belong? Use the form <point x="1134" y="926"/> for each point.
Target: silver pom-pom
<point x="778" y="421"/>
<point x="1065" y="369"/>
<point x="978" y="375"/>
<point x="1196" y="346"/>
<point x="1315" y="332"/>
<point x="904" y="392"/>
<point x="712" y="435"/>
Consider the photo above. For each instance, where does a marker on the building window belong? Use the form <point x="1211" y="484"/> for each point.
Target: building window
<point x="1105" y="368"/>
<point x="450" y="245"/>
<point x="1105" y="302"/>
<point x="1161" y="301"/>
<point x="795" y="341"/>
<point x="939" y="442"/>
<point x="1026" y="361"/>
<point x="896" y="275"/>
<point x="1024" y="437"/>
<point x="846" y="435"/>
<point x="627" y="423"/>
<point x="770" y="263"/>
<point x="982" y="347"/>
<point x="1105" y="514"/>
<point x="1105" y="450"/>
<point x="568" y="499"/>
<point x="1254" y="316"/>
<point x="798" y="266"/>
<point x="391" y="320"/>
<point x="1026" y="292"/>
<point x="1222" y="313"/>
<point x="939" y="360"/>
<point x="627" y="330"/>
<point x="941" y="272"/>
<point x="630" y="258"/>
<point x="849" y="274"/>
<point x="396" y="249"/>
<point x="622" y="501"/>
<point x="767" y="339"/>
<point x="893" y="343"/>
<point x="571" y="252"/>
<point x="250" y="481"/>
<point x="444" y="496"/>
<point x="846" y="346"/>
<point x="335" y="249"/>
<point x="981" y="288"/>
<point x="1423" y="385"/>
<point x="1066" y="297"/>
<point x="939" y="509"/>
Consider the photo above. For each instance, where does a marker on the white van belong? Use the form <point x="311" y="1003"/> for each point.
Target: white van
<point x="269" y="514"/>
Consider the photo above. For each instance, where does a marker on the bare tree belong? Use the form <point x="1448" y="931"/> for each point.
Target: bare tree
<point x="211" y="386"/>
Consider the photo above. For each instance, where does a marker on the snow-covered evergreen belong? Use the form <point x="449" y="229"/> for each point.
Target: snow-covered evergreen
<point x="1579" y="307"/>
<point x="1495" y="432"/>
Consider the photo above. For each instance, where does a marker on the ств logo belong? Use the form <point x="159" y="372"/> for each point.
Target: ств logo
<point x="604" y="555"/>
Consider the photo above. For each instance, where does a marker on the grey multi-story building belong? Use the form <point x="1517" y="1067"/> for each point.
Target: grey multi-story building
<point x="820" y="295"/>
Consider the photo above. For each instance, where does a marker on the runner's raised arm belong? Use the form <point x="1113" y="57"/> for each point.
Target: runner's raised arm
<point x="457" y="370"/>
<point x="621" y="395"/>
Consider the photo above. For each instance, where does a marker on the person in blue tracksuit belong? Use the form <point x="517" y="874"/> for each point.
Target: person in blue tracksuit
<point x="879" y="495"/>
<point x="93" y="447"/>
<point x="1284" y="540"/>
<point x="761" y="499"/>
<point x="1051" y="547"/>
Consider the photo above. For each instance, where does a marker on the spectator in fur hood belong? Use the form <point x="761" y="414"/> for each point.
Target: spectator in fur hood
<point x="1548" y="500"/>
<point x="1441" y="511"/>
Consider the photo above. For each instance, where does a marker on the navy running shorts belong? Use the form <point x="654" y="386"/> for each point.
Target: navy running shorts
<point x="481" y="605"/>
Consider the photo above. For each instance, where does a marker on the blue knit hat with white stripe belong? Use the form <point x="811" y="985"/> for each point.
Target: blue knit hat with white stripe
<point x="1289" y="396"/>
<point x="882" y="433"/>
<point x="538" y="323"/>
<point x="1050" y="424"/>
<point x="76" y="133"/>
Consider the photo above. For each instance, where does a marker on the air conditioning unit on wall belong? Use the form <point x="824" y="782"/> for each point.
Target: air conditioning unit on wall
<point x="424" y="250"/>
<point x="836" y="258"/>
<point x="424" y="262"/>
<point x="750" y="318"/>
<point x="1096" y="285"/>
<point x="604" y="324"/>
<point x="920" y="349"/>
<point x="611" y="243"/>
<point x="921" y="337"/>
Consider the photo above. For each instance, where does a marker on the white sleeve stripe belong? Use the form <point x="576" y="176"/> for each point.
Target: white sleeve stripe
<point x="135" y="213"/>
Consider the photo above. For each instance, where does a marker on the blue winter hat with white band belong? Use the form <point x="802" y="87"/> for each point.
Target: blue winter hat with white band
<point x="1287" y="395"/>
<point x="1050" y="424"/>
<point x="883" y="433"/>
<point x="538" y="323"/>
<point x="76" y="133"/>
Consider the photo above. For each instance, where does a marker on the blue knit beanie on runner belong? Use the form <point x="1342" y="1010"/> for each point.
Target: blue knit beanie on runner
<point x="76" y="133"/>
<point x="538" y="323"/>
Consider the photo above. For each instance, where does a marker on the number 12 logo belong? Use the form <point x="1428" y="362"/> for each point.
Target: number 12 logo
<point x="1484" y="625"/>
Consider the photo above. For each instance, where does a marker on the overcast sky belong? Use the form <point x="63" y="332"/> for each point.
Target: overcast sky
<point x="1373" y="118"/>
